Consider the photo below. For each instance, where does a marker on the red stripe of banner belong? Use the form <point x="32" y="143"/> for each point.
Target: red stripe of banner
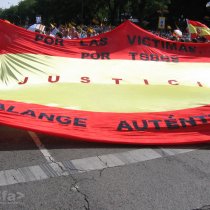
<point x="172" y="127"/>
<point x="127" y="41"/>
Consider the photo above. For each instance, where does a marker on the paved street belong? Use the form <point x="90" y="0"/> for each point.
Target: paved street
<point x="44" y="172"/>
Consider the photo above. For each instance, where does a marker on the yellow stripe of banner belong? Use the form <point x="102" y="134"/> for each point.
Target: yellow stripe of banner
<point x="105" y="86"/>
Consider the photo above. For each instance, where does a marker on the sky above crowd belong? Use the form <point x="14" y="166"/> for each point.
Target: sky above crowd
<point x="8" y="3"/>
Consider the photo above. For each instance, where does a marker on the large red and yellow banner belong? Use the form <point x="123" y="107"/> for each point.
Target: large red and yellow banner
<point x="124" y="86"/>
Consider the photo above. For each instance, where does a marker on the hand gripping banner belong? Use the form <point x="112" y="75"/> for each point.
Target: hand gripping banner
<point x="124" y="86"/>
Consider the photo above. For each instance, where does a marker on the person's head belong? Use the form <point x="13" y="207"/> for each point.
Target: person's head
<point x="73" y="29"/>
<point x="66" y="32"/>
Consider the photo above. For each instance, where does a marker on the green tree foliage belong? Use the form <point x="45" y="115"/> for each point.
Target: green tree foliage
<point x="20" y="13"/>
<point x="26" y="10"/>
<point x="11" y="14"/>
<point x="84" y="11"/>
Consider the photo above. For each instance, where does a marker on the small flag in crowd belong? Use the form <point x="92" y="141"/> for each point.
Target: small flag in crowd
<point x="54" y="31"/>
<point x="197" y="29"/>
<point x="35" y="27"/>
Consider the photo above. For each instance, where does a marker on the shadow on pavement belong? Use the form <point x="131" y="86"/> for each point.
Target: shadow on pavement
<point x="17" y="139"/>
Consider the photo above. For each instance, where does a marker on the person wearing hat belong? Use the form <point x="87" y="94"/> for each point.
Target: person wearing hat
<point x="177" y="35"/>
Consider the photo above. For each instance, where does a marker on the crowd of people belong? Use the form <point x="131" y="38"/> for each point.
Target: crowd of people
<point x="72" y="31"/>
<point x="175" y="36"/>
<point x="82" y="31"/>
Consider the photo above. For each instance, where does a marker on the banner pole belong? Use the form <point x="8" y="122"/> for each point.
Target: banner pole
<point x="189" y="29"/>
